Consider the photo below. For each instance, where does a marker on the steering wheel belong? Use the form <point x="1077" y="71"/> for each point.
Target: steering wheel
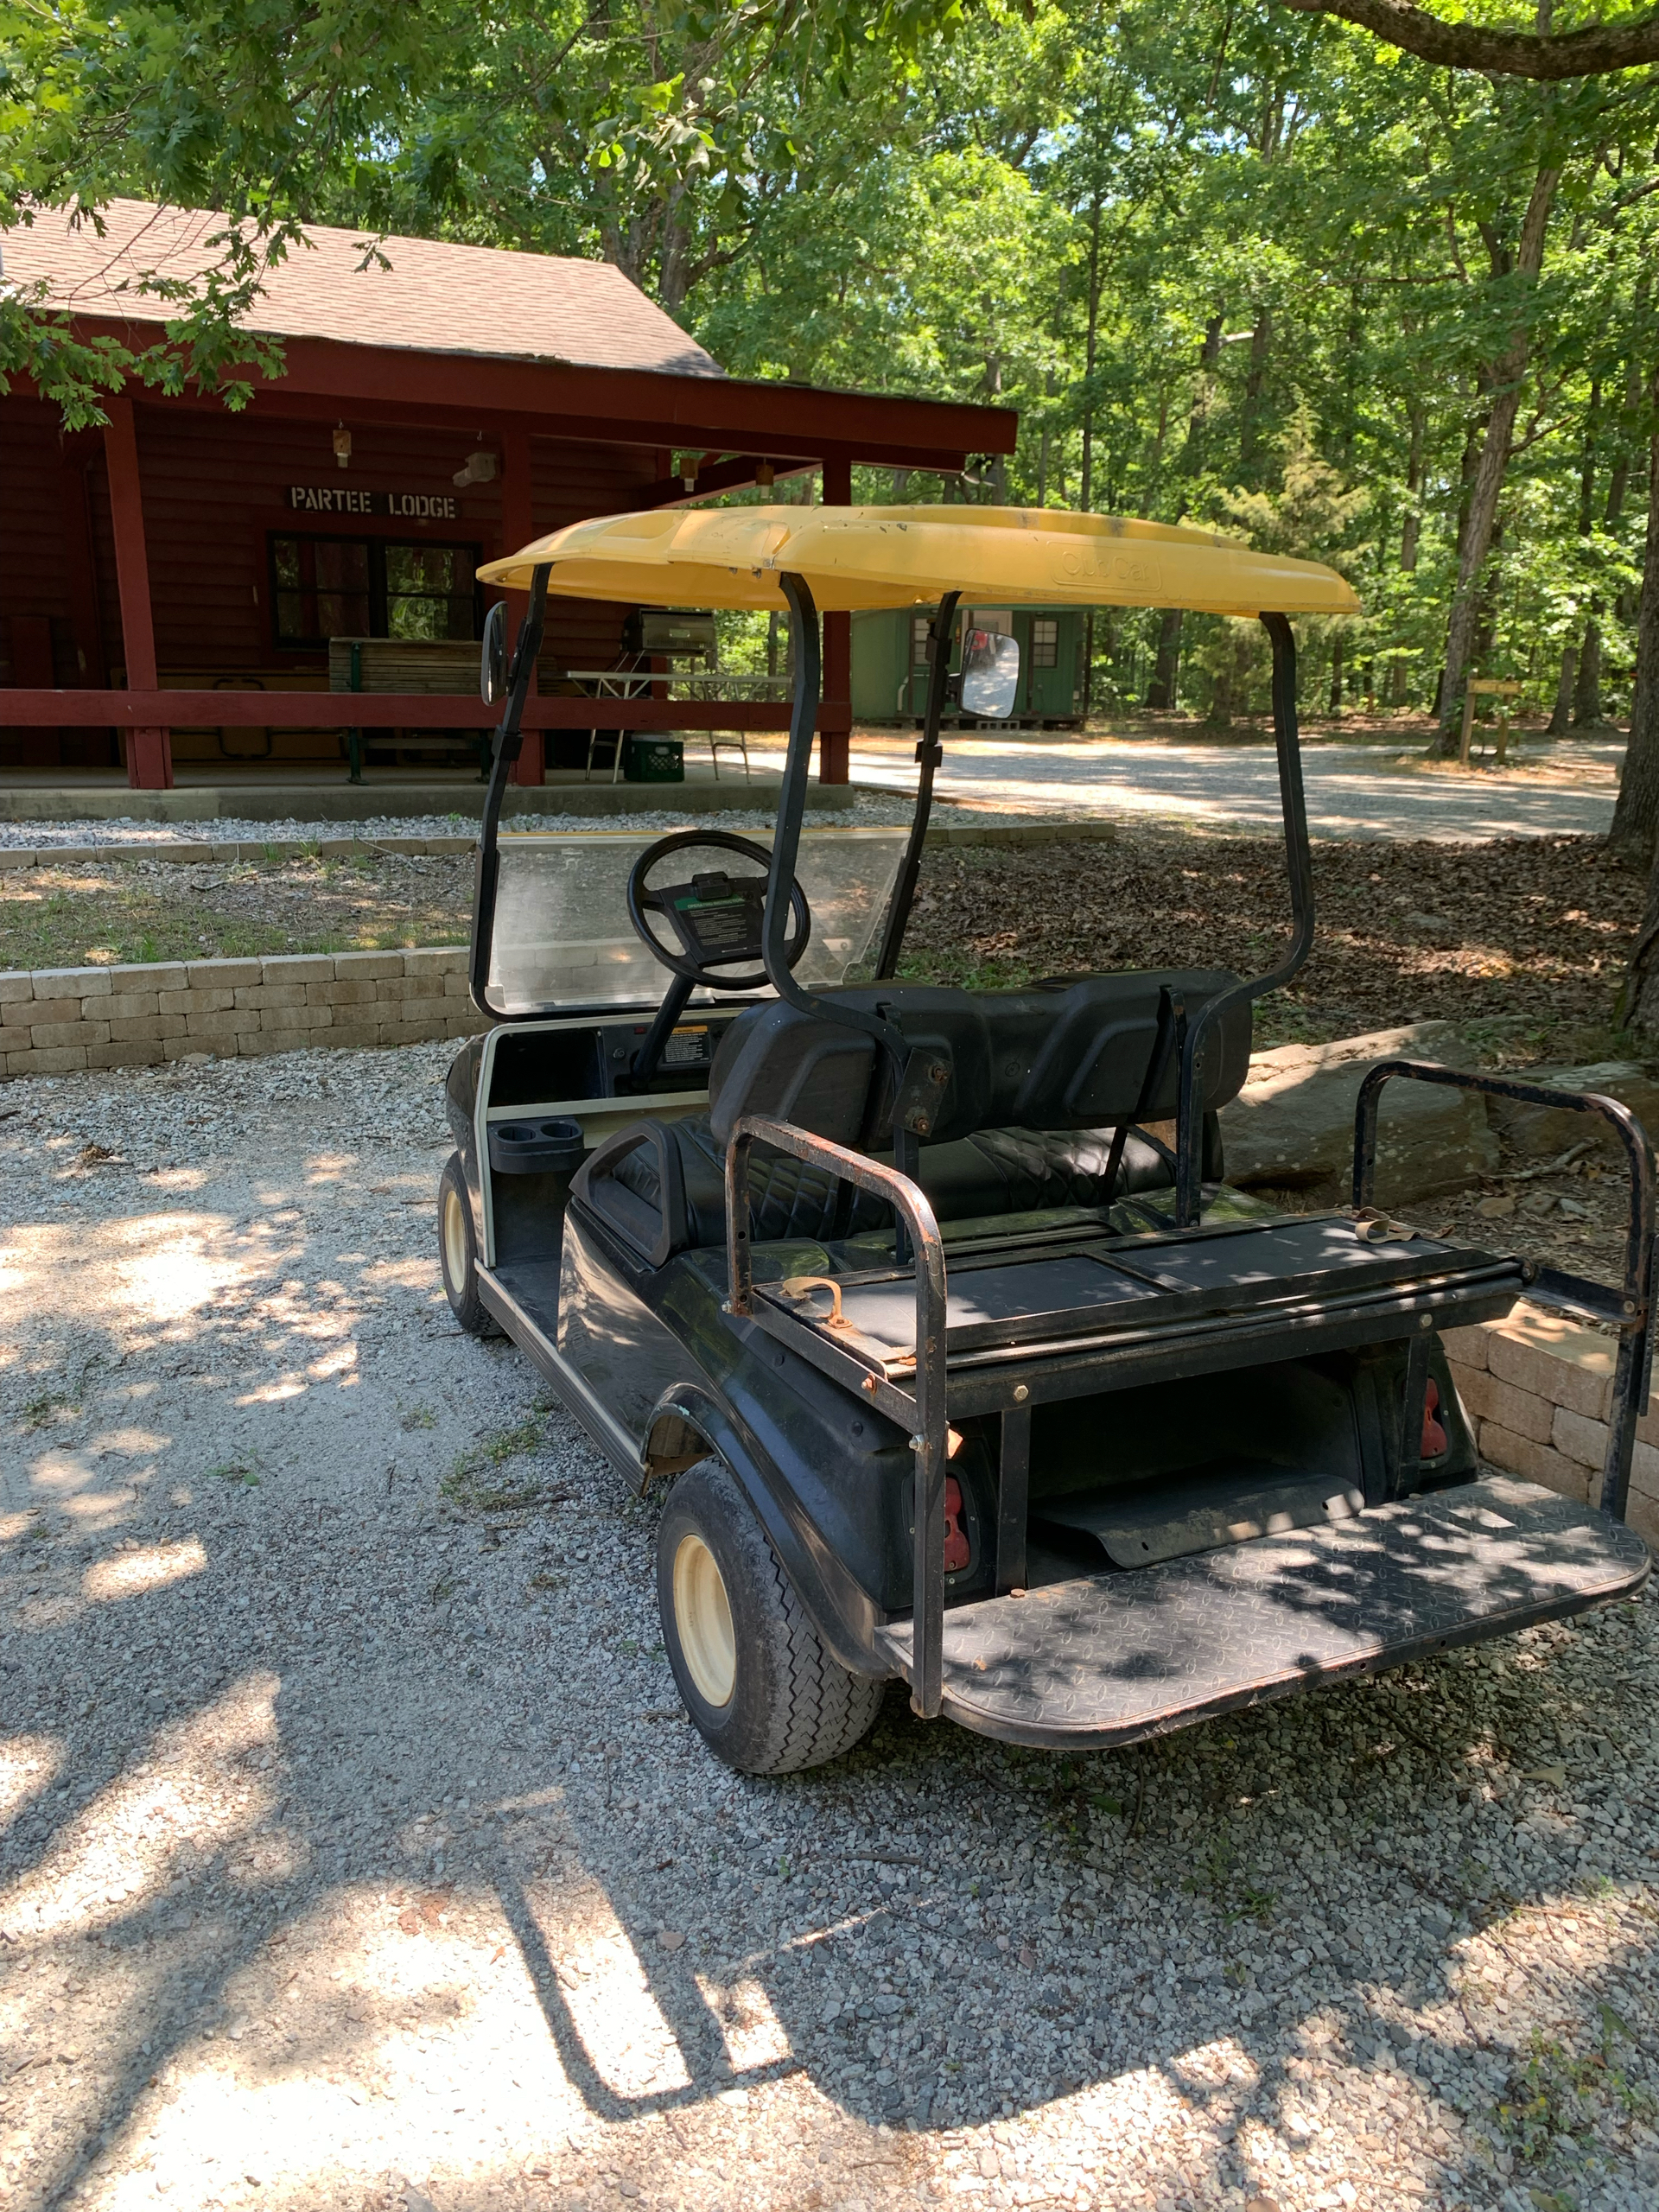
<point x="716" y="918"/>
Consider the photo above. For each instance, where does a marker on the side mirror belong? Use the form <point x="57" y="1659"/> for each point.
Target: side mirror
<point x="990" y="674"/>
<point x="492" y="658"/>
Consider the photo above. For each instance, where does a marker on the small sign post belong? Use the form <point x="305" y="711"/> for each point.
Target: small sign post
<point x="1490" y="687"/>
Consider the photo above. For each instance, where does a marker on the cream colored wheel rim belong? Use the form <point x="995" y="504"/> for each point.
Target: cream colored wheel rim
<point x="454" y="1241"/>
<point x="703" y="1614"/>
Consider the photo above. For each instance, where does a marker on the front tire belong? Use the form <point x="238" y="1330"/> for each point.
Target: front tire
<point x="458" y="1251"/>
<point x="755" y="1673"/>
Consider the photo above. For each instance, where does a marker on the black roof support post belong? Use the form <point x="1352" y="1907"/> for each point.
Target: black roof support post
<point x="1189" y="1126"/>
<point x="509" y="740"/>
<point x="928" y="753"/>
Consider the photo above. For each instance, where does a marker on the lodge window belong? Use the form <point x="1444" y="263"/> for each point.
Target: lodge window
<point x="323" y="587"/>
<point x="1044" y="641"/>
<point x="919" y="627"/>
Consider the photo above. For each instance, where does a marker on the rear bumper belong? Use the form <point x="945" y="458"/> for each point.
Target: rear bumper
<point x="1112" y="1659"/>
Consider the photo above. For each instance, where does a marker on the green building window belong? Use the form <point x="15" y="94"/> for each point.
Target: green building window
<point x="1044" y="641"/>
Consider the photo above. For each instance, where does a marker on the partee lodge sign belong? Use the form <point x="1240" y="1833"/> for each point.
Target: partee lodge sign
<point x="408" y="506"/>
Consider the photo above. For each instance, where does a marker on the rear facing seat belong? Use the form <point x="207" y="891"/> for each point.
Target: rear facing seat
<point x="1040" y="1077"/>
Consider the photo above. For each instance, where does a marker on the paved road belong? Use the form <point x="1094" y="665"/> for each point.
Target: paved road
<point x="1353" y="791"/>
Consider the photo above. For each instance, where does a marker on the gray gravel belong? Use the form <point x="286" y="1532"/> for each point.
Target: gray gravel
<point x="872" y="811"/>
<point x="357" y="1854"/>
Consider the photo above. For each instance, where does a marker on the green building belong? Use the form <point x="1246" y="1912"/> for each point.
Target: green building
<point x="890" y="663"/>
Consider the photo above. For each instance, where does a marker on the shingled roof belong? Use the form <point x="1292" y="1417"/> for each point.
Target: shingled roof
<point x="434" y="297"/>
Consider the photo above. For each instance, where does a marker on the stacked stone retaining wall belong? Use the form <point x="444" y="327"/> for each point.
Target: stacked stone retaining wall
<point x="56" y="1020"/>
<point x="1538" y="1391"/>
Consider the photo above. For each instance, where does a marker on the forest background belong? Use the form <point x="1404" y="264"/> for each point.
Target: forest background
<point x="1235" y="265"/>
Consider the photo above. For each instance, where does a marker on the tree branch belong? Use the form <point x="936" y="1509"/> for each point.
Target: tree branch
<point x="1592" y="52"/>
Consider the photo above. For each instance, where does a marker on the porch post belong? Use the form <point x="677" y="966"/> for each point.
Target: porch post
<point x="149" y="751"/>
<point x="836" y="722"/>
<point x="517" y="528"/>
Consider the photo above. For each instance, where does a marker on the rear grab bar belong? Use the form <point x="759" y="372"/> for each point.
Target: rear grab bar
<point x="928" y="1437"/>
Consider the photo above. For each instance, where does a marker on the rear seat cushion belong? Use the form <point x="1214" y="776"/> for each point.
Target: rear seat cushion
<point x="993" y="1171"/>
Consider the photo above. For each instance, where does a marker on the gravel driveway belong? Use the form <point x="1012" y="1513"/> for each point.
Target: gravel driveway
<point x="357" y="1854"/>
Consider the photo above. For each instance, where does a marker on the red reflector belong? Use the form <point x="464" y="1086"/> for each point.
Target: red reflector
<point x="956" y="1536"/>
<point x="1434" y="1438"/>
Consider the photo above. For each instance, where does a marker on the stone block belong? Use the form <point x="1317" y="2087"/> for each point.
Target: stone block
<point x="223" y="975"/>
<point x="435" y="960"/>
<point x="1522" y="1412"/>
<point x="468" y="1022"/>
<point x="299" y="968"/>
<point x="250" y="1043"/>
<point x="17" y="989"/>
<point x="1292" y="1127"/>
<point x="431" y="1013"/>
<point x="197" y="1048"/>
<point x="1580" y="1439"/>
<point x="1542" y="1132"/>
<point x="226" y="1023"/>
<point x="46" y="1007"/>
<point x="457" y="985"/>
<point x="1643" y="1515"/>
<point x="134" y="1052"/>
<point x="260" y="995"/>
<point x="1536" y="1463"/>
<point x="135" y="1029"/>
<point x="297" y="1018"/>
<point x="365" y="966"/>
<point x="150" y="975"/>
<point x="46" y="1036"/>
<point x="1465" y="1347"/>
<point x="15" y="1038"/>
<point x="1544" y="1353"/>
<point x="196" y="1002"/>
<point x="131" y="1006"/>
<point x="406" y="1033"/>
<point x="357" y="991"/>
<point x="71" y="982"/>
<point x="50" y="1059"/>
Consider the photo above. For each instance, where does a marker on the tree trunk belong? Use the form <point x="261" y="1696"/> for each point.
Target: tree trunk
<point x="1336" y="675"/>
<point x="1160" y="692"/>
<point x="1635" y="817"/>
<point x="1255" y="382"/>
<point x="1586" y="691"/>
<point x="1508" y="370"/>
<point x="1560" y="714"/>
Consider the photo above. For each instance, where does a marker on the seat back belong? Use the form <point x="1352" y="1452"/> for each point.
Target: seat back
<point x="1065" y="1055"/>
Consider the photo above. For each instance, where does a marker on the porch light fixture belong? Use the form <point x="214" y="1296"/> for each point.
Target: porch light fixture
<point x="765" y="475"/>
<point x="480" y="468"/>
<point x="342" y="445"/>
<point x="688" y="465"/>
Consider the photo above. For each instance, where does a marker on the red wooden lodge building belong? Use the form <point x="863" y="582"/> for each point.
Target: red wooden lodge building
<point x="168" y="583"/>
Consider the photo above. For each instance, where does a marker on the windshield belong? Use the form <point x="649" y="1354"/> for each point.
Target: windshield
<point x="563" y="939"/>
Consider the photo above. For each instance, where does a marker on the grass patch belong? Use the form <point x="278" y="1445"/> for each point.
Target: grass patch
<point x="472" y="1484"/>
<point x="113" y="912"/>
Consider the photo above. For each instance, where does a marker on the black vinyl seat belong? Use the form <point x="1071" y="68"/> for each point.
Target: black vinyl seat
<point x="993" y="1171"/>
<point x="1039" y="1078"/>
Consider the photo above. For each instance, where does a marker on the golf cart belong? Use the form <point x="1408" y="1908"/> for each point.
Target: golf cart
<point x="930" y="1307"/>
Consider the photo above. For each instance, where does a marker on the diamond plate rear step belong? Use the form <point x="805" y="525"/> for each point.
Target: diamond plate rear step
<point x="1110" y="1659"/>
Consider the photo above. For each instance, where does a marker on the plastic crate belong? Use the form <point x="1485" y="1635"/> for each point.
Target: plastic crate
<point x="654" y="760"/>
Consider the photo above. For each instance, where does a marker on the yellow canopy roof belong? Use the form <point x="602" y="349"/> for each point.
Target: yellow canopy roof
<point x="908" y="556"/>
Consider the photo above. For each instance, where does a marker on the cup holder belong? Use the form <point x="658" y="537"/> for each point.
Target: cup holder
<point x="551" y="1148"/>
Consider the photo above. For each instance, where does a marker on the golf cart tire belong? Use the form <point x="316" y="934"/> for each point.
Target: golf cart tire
<point x="458" y="1252"/>
<point x="791" y="1704"/>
